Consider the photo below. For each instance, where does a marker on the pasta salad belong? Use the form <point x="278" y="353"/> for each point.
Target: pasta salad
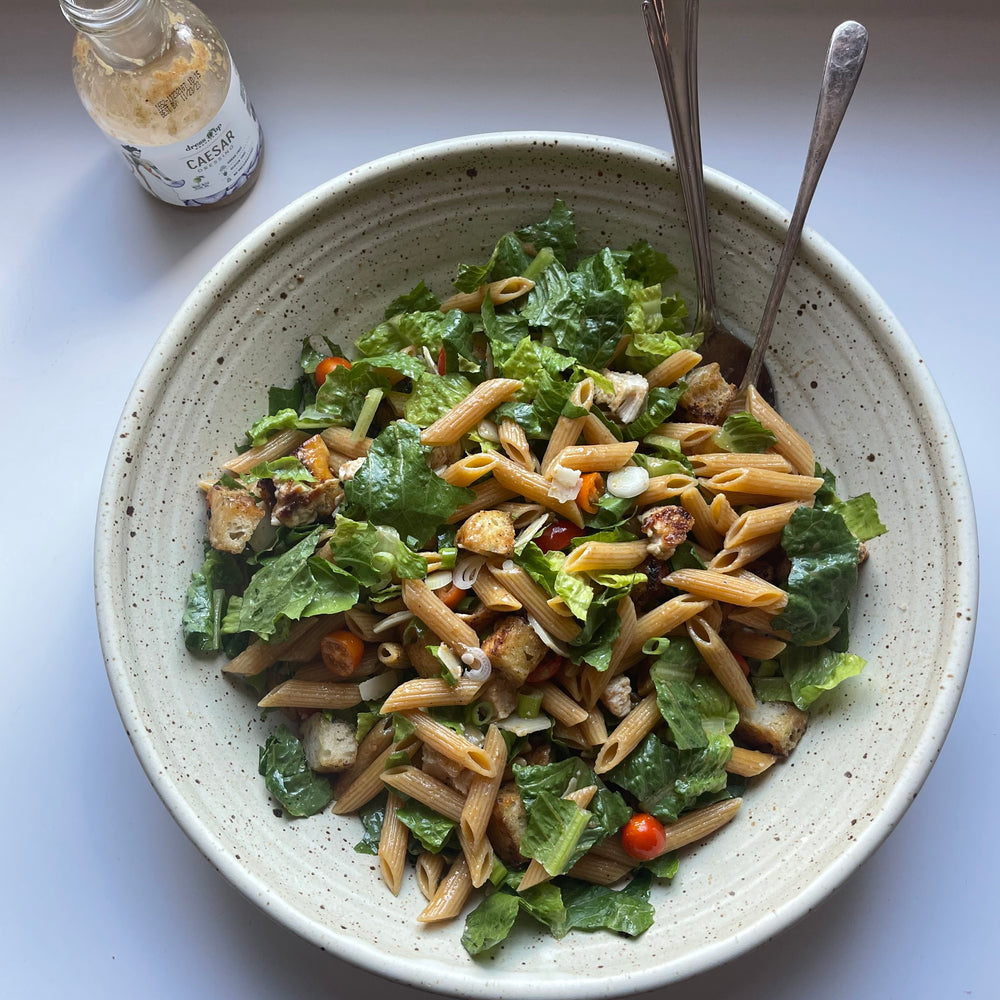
<point x="525" y="586"/>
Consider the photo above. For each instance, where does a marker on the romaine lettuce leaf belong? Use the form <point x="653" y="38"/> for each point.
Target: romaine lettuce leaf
<point x="396" y="487"/>
<point x="374" y="554"/>
<point x="419" y="299"/>
<point x="429" y="827"/>
<point x="296" y="584"/>
<point x="219" y="576"/>
<point x="557" y="230"/>
<point x="434" y="395"/>
<point x="823" y="575"/>
<point x="743" y="433"/>
<point x="812" y="670"/>
<point x="596" y="907"/>
<point x="288" y="777"/>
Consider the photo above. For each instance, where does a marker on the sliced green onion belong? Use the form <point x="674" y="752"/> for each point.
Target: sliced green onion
<point x="529" y="704"/>
<point x="448" y="556"/>
<point x="541" y="260"/>
<point x="480" y="713"/>
<point x="367" y="414"/>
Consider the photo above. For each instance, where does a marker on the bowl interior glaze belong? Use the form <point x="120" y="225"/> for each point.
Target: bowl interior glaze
<point x="847" y="376"/>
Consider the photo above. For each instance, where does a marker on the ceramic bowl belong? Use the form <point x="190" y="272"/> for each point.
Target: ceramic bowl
<point x="847" y="376"/>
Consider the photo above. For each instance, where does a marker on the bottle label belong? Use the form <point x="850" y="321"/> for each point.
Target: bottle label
<point x="207" y="166"/>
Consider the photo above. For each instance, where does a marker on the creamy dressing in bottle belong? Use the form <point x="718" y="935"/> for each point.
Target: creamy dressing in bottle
<point x="158" y="79"/>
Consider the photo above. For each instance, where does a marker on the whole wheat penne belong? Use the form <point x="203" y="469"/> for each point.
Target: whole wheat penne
<point x="342" y="439"/>
<point x="437" y="616"/>
<point x="301" y="646"/>
<point x="692" y="437"/>
<point x="295" y="693"/>
<point x="493" y="594"/>
<point x="532" y="486"/>
<point x="790" y="442"/>
<point x="691" y="827"/>
<point x="462" y="417"/>
<point x="628" y="734"/>
<point x="749" y="763"/>
<point x="593" y="730"/>
<point x="451" y="895"/>
<point x="567" y="430"/>
<point x="593" y="867"/>
<point x="489" y="493"/>
<point x="758" y="619"/>
<point x="595" y="431"/>
<point x="533" y="599"/>
<point x="479" y="856"/>
<point x="498" y="292"/>
<point x="663" y="620"/>
<point x="425" y="788"/>
<point x="366" y="784"/>
<point x="768" y="486"/>
<point x="594" y="457"/>
<point x="375" y="741"/>
<point x="728" y="560"/>
<point x="560" y="705"/>
<point x="469" y="469"/>
<point x="723" y="514"/>
<point x="760" y="521"/>
<point x="481" y="796"/>
<point x="710" y="463"/>
<point x="721" y="661"/>
<point x="428" y="869"/>
<point x="704" y="529"/>
<point x="729" y="588"/>
<point x="514" y="442"/>
<point x="281" y="444"/>
<point x="662" y="488"/>
<point x="426" y="692"/>
<point x="594" y="557"/>
<point x="392" y="842"/>
<point x="449" y="743"/>
<point x="671" y="369"/>
<point x="754" y="645"/>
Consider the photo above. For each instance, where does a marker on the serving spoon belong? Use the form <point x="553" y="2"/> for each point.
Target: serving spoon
<point x="672" y="26"/>
<point x="844" y="61"/>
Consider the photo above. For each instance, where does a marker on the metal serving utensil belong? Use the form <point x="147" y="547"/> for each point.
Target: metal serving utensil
<point x="844" y="60"/>
<point x="672" y="26"/>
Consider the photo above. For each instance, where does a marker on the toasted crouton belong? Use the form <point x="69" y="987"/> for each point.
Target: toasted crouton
<point x="487" y="532"/>
<point x="233" y="516"/>
<point x="708" y="395"/>
<point x="773" y="726"/>
<point x="514" y="648"/>
<point x="329" y="745"/>
<point x="666" y="527"/>
<point x="508" y="822"/>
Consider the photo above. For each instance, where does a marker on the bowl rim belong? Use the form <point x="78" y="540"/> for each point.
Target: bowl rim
<point x="361" y="953"/>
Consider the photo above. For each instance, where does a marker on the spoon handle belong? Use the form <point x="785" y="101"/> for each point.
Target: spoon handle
<point x="844" y="60"/>
<point x="672" y="26"/>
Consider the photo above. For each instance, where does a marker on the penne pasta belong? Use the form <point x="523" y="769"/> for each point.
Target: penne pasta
<point x="428" y="869"/>
<point x="425" y="692"/>
<point x="464" y="416"/>
<point x="601" y="556"/>
<point x="392" y="843"/>
<point x="721" y="661"/>
<point x="451" y="894"/>
<point x="534" y="600"/>
<point x="739" y="588"/>
<point x="671" y="369"/>
<point x="469" y="469"/>
<point x="789" y="442"/>
<point x="449" y="743"/>
<point x="296" y="693"/>
<point x="281" y="444"/>
<point x="628" y="734"/>
<point x="498" y="292"/>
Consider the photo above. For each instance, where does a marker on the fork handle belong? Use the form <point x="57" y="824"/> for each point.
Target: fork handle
<point x="844" y="60"/>
<point x="672" y="26"/>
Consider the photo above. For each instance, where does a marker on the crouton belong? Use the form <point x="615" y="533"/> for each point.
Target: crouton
<point x="666" y="527"/>
<point x="708" y="395"/>
<point x="233" y="516"/>
<point x="487" y="532"/>
<point x="305" y="503"/>
<point x="514" y="648"/>
<point x="329" y="745"/>
<point x="508" y="821"/>
<point x="772" y="726"/>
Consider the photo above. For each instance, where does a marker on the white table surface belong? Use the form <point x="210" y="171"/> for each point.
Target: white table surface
<point x="104" y="895"/>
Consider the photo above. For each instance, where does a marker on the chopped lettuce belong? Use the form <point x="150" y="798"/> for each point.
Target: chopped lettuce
<point x="288" y="777"/>
<point x="374" y="554"/>
<point x="395" y="487"/>
<point x="743" y="433"/>
<point x="434" y="395"/>
<point x="220" y="576"/>
<point x="823" y="575"/>
<point x="296" y="584"/>
<point x="812" y="670"/>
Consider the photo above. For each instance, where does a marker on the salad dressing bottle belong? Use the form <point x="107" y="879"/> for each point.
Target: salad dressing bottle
<point x="157" y="77"/>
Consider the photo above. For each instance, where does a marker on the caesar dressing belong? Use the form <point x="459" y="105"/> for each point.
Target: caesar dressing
<point x="158" y="79"/>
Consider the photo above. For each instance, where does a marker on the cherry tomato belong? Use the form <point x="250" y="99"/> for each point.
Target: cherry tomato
<point x="591" y="489"/>
<point x="442" y="363"/>
<point x="326" y="366"/>
<point x="558" y="535"/>
<point x="341" y="652"/>
<point x="643" y="837"/>
<point x="545" y="670"/>
<point x="451" y="595"/>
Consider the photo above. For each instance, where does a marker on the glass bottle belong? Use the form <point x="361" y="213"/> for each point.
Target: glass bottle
<point x="158" y="79"/>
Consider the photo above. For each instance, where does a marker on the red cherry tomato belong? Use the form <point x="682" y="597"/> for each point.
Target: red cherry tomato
<point x="643" y="837"/>
<point x="558" y="535"/>
<point x="442" y="363"/>
<point x="326" y="366"/>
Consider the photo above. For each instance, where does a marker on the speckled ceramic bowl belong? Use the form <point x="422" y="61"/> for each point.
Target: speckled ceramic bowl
<point x="847" y="376"/>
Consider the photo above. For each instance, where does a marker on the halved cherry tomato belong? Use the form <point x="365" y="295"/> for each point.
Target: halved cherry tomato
<point x="591" y="489"/>
<point x="644" y="837"/>
<point x="326" y="366"/>
<point x="450" y="595"/>
<point x="558" y="535"/>
<point x="545" y="670"/>
<point x="442" y="363"/>
<point x="341" y="652"/>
